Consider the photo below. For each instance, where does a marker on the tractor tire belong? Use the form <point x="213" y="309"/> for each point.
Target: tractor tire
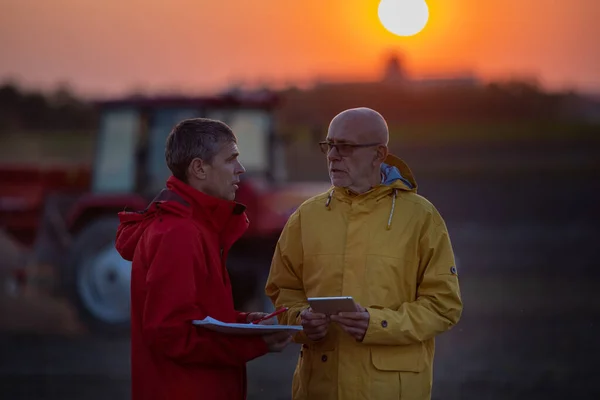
<point x="97" y="279"/>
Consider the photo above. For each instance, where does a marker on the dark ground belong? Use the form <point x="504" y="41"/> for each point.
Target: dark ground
<point x="521" y="349"/>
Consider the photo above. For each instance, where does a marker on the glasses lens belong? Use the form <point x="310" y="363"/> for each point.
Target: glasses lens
<point x="344" y="150"/>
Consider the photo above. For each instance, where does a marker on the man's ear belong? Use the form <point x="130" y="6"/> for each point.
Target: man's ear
<point x="197" y="169"/>
<point x="382" y="153"/>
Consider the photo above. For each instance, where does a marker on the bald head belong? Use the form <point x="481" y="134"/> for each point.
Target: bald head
<point x="357" y="146"/>
<point x="359" y="125"/>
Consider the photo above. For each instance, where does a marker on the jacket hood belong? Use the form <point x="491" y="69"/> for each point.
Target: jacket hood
<point x="396" y="172"/>
<point x="134" y="223"/>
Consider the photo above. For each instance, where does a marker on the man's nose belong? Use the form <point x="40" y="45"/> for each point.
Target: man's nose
<point x="333" y="153"/>
<point x="240" y="169"/>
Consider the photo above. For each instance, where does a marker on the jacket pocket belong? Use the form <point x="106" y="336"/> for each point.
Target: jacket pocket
<point x="404" y="370"/>
<point x="410" y="358"/>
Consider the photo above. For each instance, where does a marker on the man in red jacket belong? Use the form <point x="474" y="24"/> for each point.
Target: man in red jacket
<point x="178" y="246"/>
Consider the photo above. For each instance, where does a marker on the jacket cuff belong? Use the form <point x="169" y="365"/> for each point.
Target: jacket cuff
<point x="242" y="317"/>
<point x="299" y="337"/>
<point x="379" y="330"/>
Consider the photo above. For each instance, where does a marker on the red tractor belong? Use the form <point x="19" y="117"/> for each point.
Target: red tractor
<point x="76" y="229"/>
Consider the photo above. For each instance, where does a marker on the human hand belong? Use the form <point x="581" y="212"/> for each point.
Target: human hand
<point x="354" y="323"/>
<point x="315" y="325"/>
<point x="277" y="341"/>
<point x="253" y="316"/>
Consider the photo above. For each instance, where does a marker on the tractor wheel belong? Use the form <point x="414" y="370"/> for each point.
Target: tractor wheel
<point x="98" y="279"/>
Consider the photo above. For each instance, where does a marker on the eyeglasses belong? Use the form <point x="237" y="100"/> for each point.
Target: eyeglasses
<point x="344" y="149"/>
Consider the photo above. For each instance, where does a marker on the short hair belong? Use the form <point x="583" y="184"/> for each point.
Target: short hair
<point x="195" y="138"/>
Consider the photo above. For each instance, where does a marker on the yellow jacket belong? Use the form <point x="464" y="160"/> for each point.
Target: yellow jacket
<point x="389" y="249"/>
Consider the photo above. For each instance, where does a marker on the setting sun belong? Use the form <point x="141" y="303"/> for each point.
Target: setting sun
<point x="403" y="17"/>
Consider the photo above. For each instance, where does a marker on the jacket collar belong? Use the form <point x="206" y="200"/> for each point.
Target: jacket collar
<point x="218" y="212"/>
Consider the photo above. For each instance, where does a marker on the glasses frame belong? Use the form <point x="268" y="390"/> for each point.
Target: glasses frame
<point x="326" y="147"/>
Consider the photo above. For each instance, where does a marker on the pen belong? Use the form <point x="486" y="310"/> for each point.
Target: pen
<point x="281" y="310"/>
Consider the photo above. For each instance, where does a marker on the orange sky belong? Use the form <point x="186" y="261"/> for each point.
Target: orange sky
<point x="104" y="47"/>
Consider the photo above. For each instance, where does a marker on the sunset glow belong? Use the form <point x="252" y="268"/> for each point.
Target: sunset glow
<point x="114" y="47"/>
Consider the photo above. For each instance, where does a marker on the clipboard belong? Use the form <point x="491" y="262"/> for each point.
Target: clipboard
<point x="244" y="329"/>
<point x="332" y="305"/>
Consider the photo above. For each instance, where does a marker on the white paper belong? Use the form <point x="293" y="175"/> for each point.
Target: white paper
<point x="244" y="329"/>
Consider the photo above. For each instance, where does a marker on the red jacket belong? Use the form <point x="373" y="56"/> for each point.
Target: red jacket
<point x="178" y="246"/>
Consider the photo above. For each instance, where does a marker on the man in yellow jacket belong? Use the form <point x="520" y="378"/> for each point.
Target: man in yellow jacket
<point x="372" y="237"/>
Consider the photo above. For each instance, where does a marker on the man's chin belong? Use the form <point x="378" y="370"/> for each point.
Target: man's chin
<point x="339" y="182"/>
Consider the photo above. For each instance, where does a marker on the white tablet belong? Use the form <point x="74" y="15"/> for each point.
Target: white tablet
<point x="332" y="305"/>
